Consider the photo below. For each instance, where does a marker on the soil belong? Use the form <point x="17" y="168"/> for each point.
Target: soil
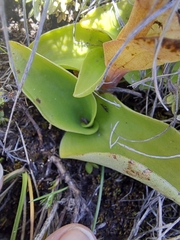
<point x="122" y="197"/>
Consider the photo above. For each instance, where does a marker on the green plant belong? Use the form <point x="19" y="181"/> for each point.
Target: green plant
<point x="89" y="167"/>
<point x="48" y="199"/>
<point x="99" y="128"/>
<point x="7" y="178"/>
<point x="20" y="206"/>
<point x="61" y="9"/>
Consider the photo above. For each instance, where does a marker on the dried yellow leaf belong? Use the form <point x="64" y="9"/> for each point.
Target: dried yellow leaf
<point x="139" y="52"/>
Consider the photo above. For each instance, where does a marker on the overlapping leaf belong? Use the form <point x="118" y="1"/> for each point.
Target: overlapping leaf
<point x="67" y="46"/>
<point x="139" y="52"/>
<point x="136" y="145"/>
<point x="108" y="18"/>
<point x="91" y="73"/>
<point x="51" y="88"/>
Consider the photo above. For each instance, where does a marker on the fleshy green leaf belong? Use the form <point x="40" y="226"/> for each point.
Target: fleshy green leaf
<point x="91" y="73"/>
<point x="133" y="144"/>
<point x="176" y="68"/>
<point x="108" y="18"/>
<point x="67" y="46"/>
<point x="20" y="206"/>
<point x="51" y="88"/>
<point x="89" y="167"/>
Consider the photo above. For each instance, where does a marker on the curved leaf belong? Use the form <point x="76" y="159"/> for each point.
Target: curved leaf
<point x="51" y="88"/>
<point x="131" y="143"/>
<point x="67" y="46"/>
<point x="108" y="18"/>
<point x="91" y="73"/>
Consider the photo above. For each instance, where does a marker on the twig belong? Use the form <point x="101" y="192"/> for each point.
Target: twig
<point x="80" y="205"/>
<point x="28" y="65"/>
<point x="28" y="160"/>
<point x="25" y="110"/>
<point x="124" y="90"/>
<point x="47" y="222"/>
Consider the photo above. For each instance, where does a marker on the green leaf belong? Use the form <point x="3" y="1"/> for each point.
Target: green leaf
<point x="175" y="69"/>
<point x="36" y="9"/>
<point x="67" y="46"/>
<point x="53" y="5"/>
<point x="136" y="76"/>
<point x="108" y="18"/>
<point x="133" y="144"/>
<point x="20" y="206"/>
<point x="50" y="88"/>
<point x="91" y="73"/>
<point x="89" y="167"/>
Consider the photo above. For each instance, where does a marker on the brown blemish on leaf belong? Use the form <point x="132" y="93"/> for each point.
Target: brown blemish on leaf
<point x="114" y="156"/>
<point x="178" y="15"/>
<point x="133" y="171"/>
<point x="105" y="107"/>
<point x="131" y="162"/>
<point x="147" y="171"/>
<point x="84" y="120"/>
<point x="139" y="52"/>
<point x="38" y="100"/>
<point x="160" y="25"/>
<point x="172" y="44"/>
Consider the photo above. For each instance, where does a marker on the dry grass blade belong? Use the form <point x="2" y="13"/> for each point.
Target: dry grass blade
<point x="154" y="206"/>
<point x="32" y="215"/>
<point x="47" y="222"/>
<point x="1" y="176"/>
<point x="20" y="85"/>
<point x="28" y="161"/>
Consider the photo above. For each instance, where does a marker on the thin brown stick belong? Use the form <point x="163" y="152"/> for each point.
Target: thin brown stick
<point x="80" y="206"/>
<point x="38" y="130"/>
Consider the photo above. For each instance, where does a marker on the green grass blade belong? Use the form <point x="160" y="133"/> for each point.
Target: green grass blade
<point x="99" y="200"/>
<point x="20" y="206"/>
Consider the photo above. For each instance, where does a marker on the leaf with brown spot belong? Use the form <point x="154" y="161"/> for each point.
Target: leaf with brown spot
<point x="141" y="10"/>
<point x="139" y="52"/>
<point x="38" y="100"/>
